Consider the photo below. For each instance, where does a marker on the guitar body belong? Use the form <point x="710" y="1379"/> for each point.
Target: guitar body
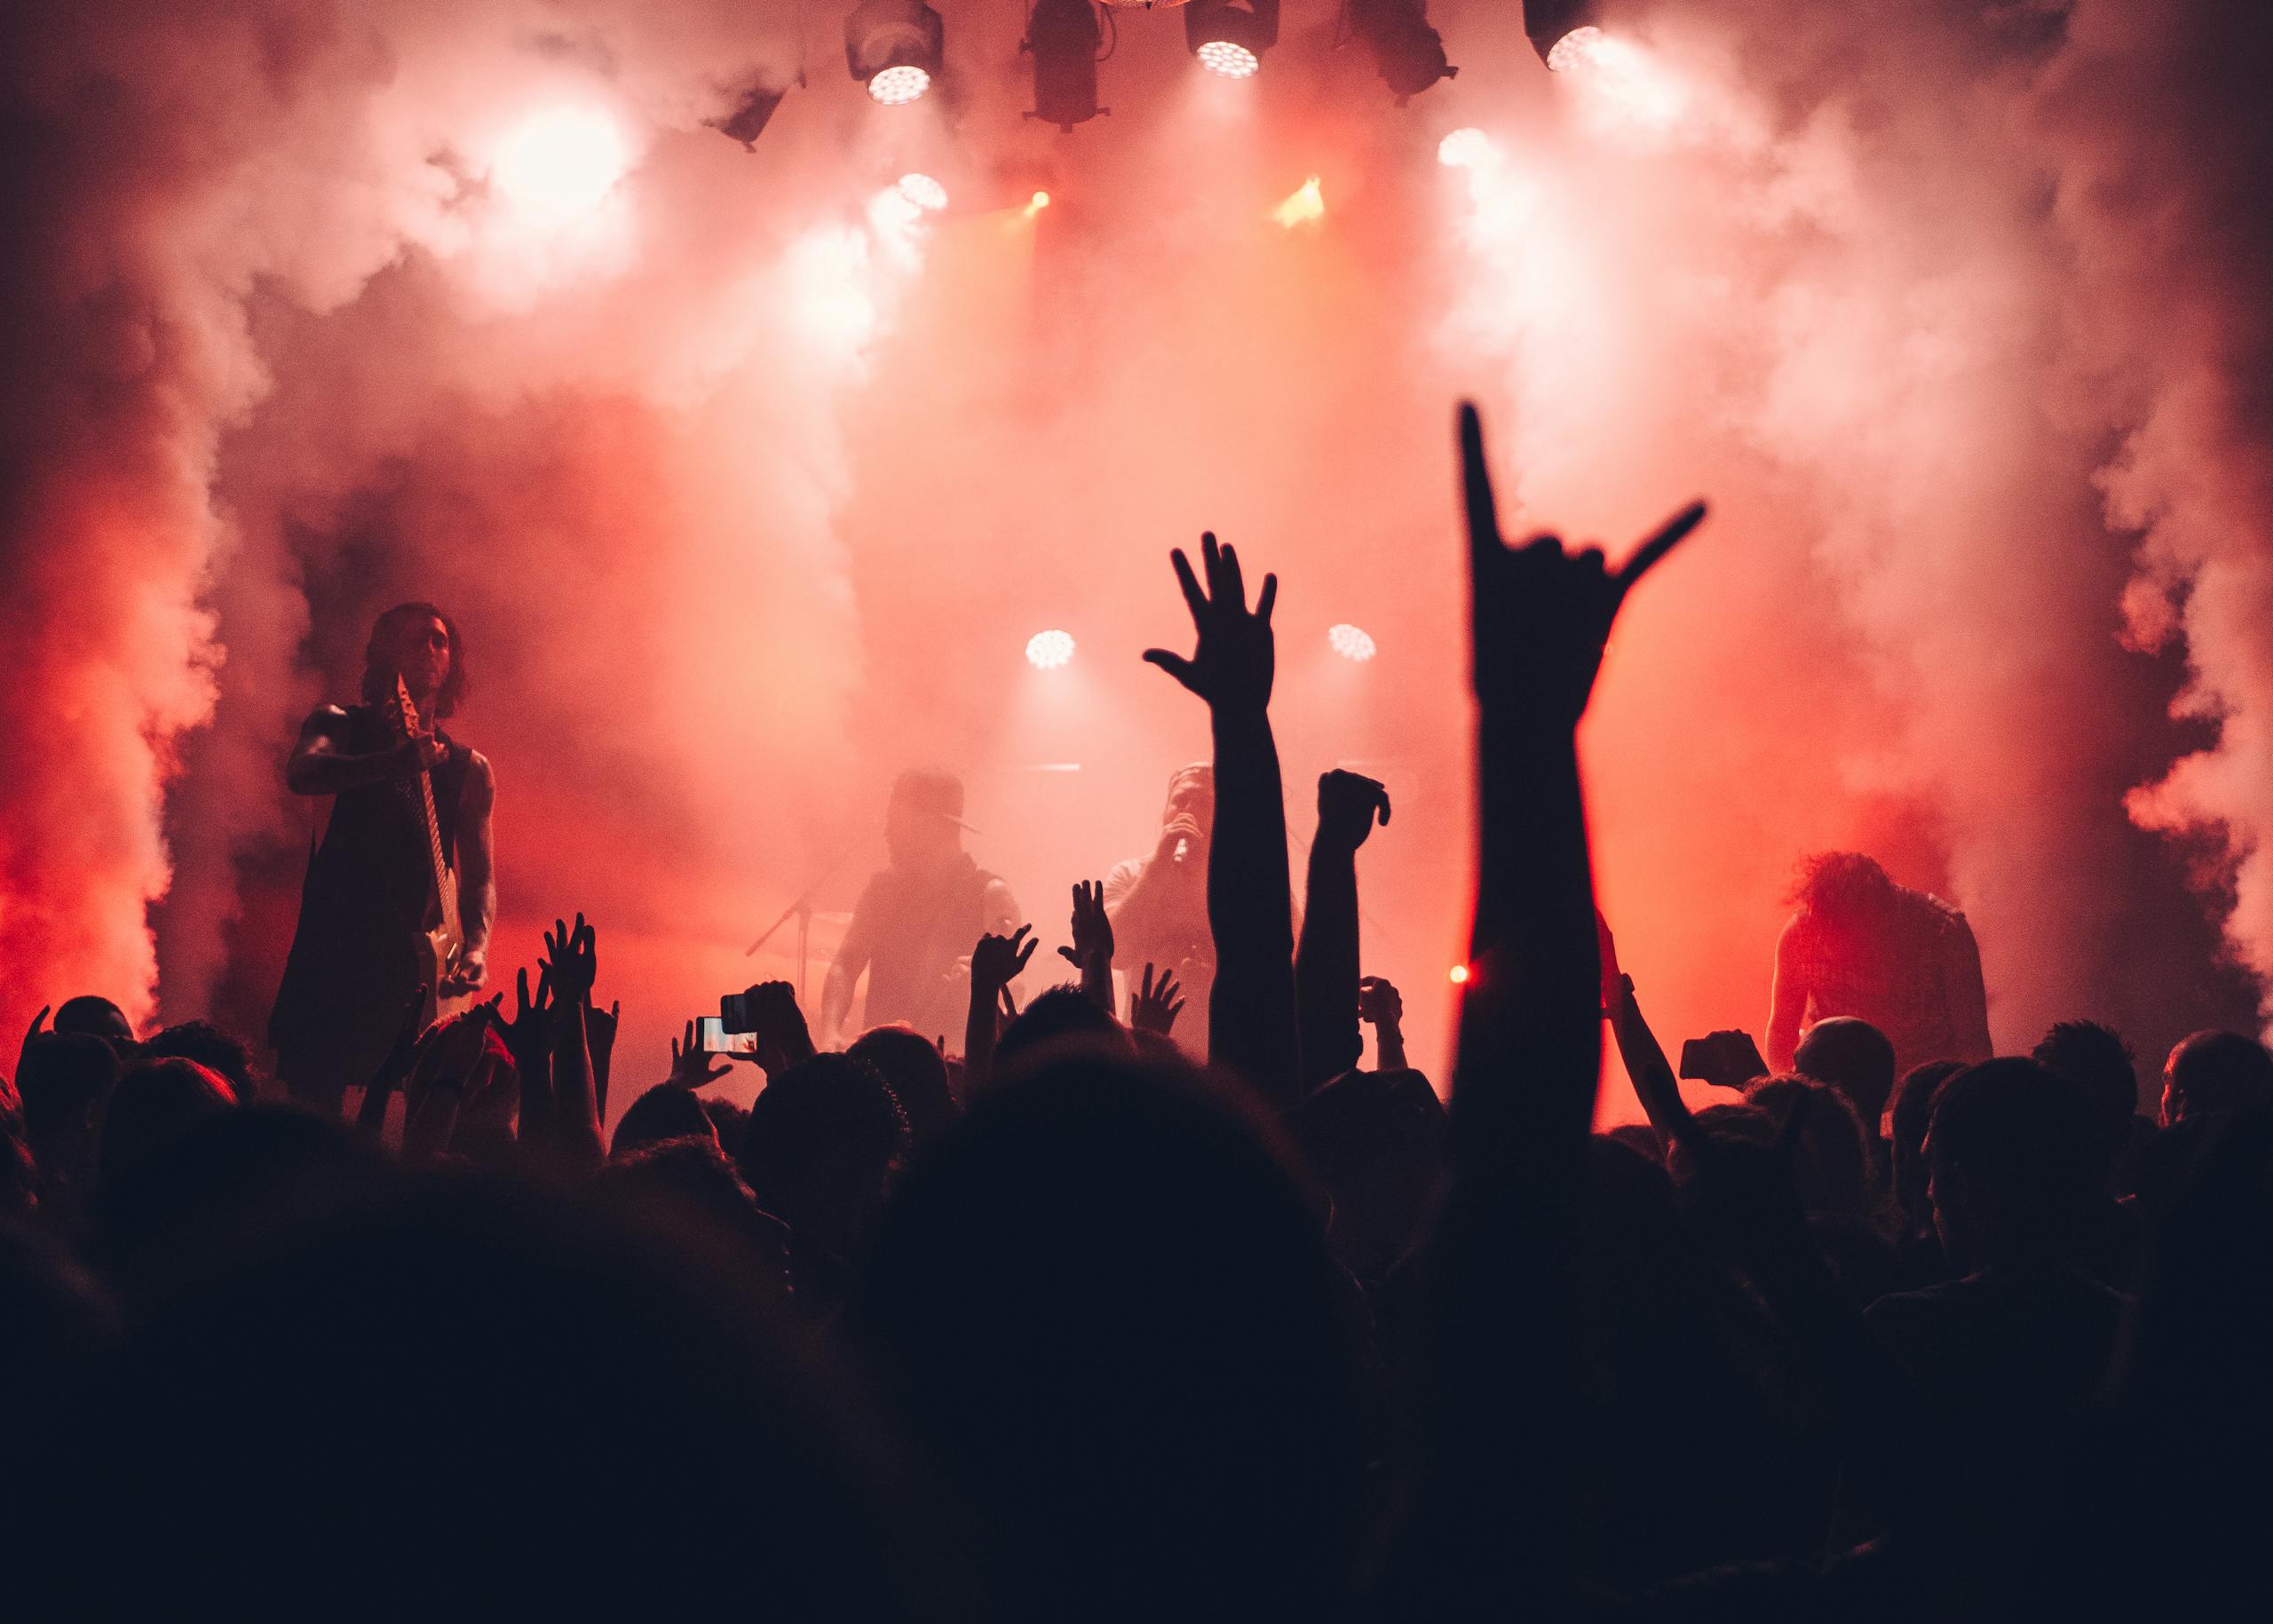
<point x="444" y="937"/>
<point x="438" y="960"/>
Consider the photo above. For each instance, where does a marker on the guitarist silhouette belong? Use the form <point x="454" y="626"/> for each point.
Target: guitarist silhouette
<point x="401" y="891"/>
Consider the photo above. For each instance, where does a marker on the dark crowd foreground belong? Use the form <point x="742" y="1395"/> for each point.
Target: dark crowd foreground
<point x="1065" y="1327"/>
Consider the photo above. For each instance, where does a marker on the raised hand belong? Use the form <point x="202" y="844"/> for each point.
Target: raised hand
<point x="1092" y="930"/>
<point x="1613" y="979"/>
<point x="600" y="1027"/>
<point x="525" y="1034"/>
<point x="1382" y="1008"/>
<point x="997" y="960"/>
<point x="691" y="1066"/>
<point x="571" y="960"/>
<point x="1234" y="659"/>
<point x="1154" y="1006"/>
<point x="1347" y="806"/>
<point x="1540" y="616"/>
<point x="783" y="1039"/>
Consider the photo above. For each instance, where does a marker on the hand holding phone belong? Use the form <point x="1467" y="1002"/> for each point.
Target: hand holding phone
<point x="769" y="1014"/>
<point x="1726" y="1059"/>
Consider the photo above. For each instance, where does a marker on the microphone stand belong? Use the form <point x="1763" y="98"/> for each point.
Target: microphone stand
<point x="802" y="911"/>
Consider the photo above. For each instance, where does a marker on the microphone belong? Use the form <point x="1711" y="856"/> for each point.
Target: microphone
<point x="1183" y="848"/>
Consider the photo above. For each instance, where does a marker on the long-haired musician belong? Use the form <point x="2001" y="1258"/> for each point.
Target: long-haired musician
<point x="399" y="878"/>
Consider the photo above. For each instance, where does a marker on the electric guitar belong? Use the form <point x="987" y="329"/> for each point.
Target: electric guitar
<point x="444" y="937"/>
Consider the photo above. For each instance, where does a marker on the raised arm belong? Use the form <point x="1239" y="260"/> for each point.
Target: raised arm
<point x="1491" y="1524"/>
<point x="318" y="765"/>
<point x="1646" y="1067"/>
<point x="572" y="964"/>
<point x="1787" y="1001"/>
<point x="995" y="963"/>
<point x="1381" y="1007"/>
<point x="1252" y="1023"/>
<point x="1539" y="617"/>
<point x="1326" y="968"/>
<point x="1091" y="952"/>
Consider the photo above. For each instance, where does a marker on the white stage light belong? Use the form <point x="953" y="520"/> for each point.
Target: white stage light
<point x="894" y="47"/>
<point x="1046" y="651"/>
<point x="925" y="193"/>
<point x="1229" y="39"/>
<point x="1578" y="46"/>
<point x="1220" y="56"/>
<point x="896" y="87"/>
<point x="1351" y="642"/>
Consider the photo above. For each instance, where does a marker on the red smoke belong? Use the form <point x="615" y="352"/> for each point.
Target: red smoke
<point x="748" y="490"/>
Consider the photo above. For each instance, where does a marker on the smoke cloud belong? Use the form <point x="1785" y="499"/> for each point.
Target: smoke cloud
<point x="748" y="481"/>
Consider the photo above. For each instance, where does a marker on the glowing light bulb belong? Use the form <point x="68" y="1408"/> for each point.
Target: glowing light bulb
<point x="1459" y="975"/>
<point x="923" y="192"/>
<point x="1306" y="206"/>
<point x="1351" y="642"/>
<point x="1578" y="46"/>
<point x="898" y="86"/>
<point x="1220" y="56"/>
<point x="1465" y="149"/>
<point x="1035" y="204"/>
<point x="560" y="162"/>
<point x="1046" y="651"/>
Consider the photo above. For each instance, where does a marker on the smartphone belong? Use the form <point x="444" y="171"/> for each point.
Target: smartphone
<point x="712" y="1038"/>
<point x="1725" y="1059"/>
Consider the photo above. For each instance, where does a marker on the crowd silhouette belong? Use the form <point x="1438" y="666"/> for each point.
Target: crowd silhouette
<point x="1041" y="1320"/>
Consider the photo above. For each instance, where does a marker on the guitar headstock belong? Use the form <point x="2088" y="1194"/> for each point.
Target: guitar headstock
<point x="403" y="710"/>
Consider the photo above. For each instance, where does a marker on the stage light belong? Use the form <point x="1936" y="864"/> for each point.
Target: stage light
<point x="1407" y="53"/>
<point x="894" y="47"/>
<point x="1046" y="651"/>
<point x="1555" y="27"/>
<point x="925" y="193"/>
<point x="1578" y="46"/>
<point x="1063" y="36"/>
<point x="1229" y="39"/>
<point x="1465" y="148"/>
<point x="1351" y="642"/>
<point x="896" y="87"/>
<point x="560" y="162"/>
<point x="1035" y="204"/>
<point x="1459" y="975"/>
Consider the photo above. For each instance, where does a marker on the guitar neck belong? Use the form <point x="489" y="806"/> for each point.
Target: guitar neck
<point x="445" y="889"/>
